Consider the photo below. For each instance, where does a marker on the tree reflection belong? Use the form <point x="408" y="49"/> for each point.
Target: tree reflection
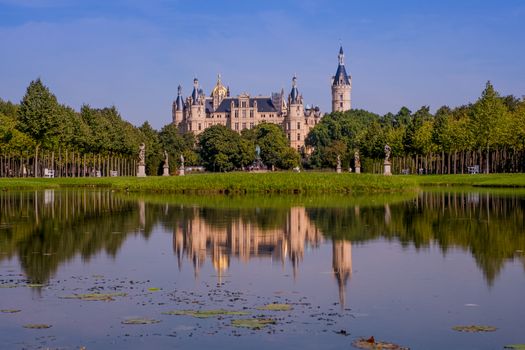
<point x="47" y="228"/>
<point x="490" y="227"/>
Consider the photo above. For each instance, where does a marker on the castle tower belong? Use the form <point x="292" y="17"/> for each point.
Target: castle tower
<point x="197" y="116"/>
<point x="295" y="121"/>
<point x="341" y="86"/>
<point x="178" y="108"/>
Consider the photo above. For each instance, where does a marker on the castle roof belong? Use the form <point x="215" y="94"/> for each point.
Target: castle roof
<point x="179" y="103"/>
<point x="264" y="104"/>
<point x="340" y="77"/>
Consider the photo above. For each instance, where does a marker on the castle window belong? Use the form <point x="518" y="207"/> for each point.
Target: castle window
<point x="244" y="113"/>
<point x="243" y="104"/>
<point x="236" y="126"/>
<point x="251" y="113"/>
<point x="264" y="115"/>
<point x="298" y="108"/>
<point x="298" y="136"/>
<point x="341" y="97"/>
<point x="341" y="104"/>
<point x="298" y="125"/>
<point x="251" y="125"/>
<point x="199" y="126"/>
<point x="236" y="114"/>
<point x="289" y="137"/>
<point x="243" y="126"/>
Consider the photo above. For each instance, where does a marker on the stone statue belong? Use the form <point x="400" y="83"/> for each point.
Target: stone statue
<point x="166" y="167"/>
<point x="387" y="153"/>
<point x="257" y="152"/>
<point x="141" y="168"/>
<point x="142" y="154"/>
<point x="181" y="169"/>
<point x="387" y="166"/>
<point x="357" y="159"/>
<point x="338" y="169"/>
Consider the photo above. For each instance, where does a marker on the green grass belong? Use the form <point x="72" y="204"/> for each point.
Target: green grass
<point x="477" y="180"/>
<point x="278" y="183"/>
<point x="242" y="183"/>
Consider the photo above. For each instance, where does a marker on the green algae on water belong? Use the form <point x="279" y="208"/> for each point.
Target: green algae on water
<point x="205" y="313"/>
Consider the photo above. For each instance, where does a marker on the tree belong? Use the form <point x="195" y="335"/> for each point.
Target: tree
<point x="487" y="118"/>
<point x="38" y="116"/>
<point x="273" y="142"/>
<point x="222" y="149"/>
<point x="154" y="152"/>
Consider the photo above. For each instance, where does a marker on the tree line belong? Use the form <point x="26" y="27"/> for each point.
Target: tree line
<point x="39" y="133"/>
<point x="488" y="136"/>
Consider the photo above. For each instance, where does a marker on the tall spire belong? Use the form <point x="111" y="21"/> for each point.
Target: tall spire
<point x="340" y="77"/>
<point x="341" y="56"/>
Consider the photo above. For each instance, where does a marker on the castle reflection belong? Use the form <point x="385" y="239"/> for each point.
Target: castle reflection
<point x="196" y="239"/>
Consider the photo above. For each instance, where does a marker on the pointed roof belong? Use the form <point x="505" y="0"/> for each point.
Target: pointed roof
<point x="294" y="94"/>
<point x="179" y="103"/>
<point x="340" y="77"/>
<point x="195" y="92"/>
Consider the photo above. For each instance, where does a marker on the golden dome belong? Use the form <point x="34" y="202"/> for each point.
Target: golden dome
<point x="219" y="89"/>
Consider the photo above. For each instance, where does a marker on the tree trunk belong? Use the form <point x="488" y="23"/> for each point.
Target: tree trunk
<point x="487" y="170"/>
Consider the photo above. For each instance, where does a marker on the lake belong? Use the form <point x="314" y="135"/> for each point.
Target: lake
<point x="106" y="270"/>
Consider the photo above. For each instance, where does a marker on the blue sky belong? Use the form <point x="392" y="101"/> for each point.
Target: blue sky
<point x="134" y="53"/>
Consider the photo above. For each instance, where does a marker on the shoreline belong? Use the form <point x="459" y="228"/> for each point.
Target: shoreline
<point x="270" y="183"/>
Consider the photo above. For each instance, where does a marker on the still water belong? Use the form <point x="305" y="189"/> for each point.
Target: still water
<point x="403" y="268"/>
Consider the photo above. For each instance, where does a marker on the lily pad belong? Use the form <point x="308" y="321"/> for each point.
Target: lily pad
<point x="515" y="346"/>
<point x="95" y="296"/>
<point x="372" y="344"/>
<point x="35" y="285"/>
<point x="205" y="313"/>
<point x="10" y="311"/>
<point x="275" y="307"/>
<point x="37" y="326"/>
<point x="140" y="321"/>
<point x="474" y="328"/>
<point x="153" y="289"/>
<point x="253" y="323"/>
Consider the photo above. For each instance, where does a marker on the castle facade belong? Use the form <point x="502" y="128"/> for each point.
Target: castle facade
<point x="198" y="111"/>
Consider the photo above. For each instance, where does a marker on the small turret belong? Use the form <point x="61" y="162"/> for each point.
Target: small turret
<point x="195" y="93"/>
<point x="295" y="117"/>
<point x="178" y="108"/>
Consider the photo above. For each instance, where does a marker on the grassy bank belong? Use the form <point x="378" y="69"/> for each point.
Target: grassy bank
<point x="279" y="182"/>
<point x="478" y="180"/>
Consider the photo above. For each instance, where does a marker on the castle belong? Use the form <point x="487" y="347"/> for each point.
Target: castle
<point x="198" y="111"/>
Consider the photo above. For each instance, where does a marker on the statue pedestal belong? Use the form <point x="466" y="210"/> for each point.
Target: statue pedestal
<point x="358" y="170"/>
<point x="387" y="171"/>
<point x="141" y="171"/>
<point x="166" y="171"/>
<point x="181" y="171"/>
<point x="338" y="169"/>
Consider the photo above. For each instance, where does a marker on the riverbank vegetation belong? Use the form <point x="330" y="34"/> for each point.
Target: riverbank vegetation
<point x="271" y="182"/>
<point x="39" y="133"/>
<point x="236" y="182"/>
